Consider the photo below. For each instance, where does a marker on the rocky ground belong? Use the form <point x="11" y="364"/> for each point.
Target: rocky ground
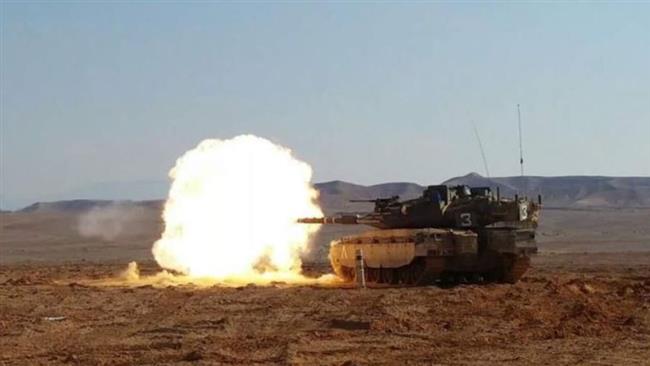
<point x="568" y="309"/>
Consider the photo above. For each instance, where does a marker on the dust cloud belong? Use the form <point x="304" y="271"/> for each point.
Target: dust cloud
<point x="111" y="221"/>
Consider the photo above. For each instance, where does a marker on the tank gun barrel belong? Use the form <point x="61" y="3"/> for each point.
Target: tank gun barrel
<point x="341" y="219"/>
<point x="379" y="200"/>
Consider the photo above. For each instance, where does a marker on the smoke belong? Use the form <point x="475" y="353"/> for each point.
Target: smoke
<point x="232" y="209"/>
<point x="131" y="273"/>
<point x="109" y="222"/>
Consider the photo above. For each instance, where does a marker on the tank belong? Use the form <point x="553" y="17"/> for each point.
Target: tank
<point x="447" y="235"/>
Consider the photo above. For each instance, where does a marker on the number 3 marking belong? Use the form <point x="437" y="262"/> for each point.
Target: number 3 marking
<point x="466" y="219"/>
<point x="523" y="212"/>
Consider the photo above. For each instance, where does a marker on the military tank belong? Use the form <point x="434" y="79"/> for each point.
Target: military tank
<point x="447" y="235"/>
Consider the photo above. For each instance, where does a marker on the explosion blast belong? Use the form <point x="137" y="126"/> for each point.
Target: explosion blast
<point x="232" y="209"/>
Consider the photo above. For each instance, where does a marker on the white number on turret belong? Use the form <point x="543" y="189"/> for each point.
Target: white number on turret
<point x="466" y="219"/>
<point x="523" y="211"/>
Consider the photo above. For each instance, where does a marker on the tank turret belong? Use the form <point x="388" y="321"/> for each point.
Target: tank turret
<point x="443" y="207"/>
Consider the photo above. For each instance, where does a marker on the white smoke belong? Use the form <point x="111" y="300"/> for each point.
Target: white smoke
<point x="109" y="222"/>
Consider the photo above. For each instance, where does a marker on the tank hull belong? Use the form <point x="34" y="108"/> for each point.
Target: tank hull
<point x="430" y="256"/>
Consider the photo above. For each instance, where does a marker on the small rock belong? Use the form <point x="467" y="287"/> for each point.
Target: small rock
<point x="54" y="318"/>
<point x="629" y="321"/>
<point x="71" y="358"/>
<point x="350" y="324"/>
<point x="193" y="356"/>
<point x="586" y="288"/>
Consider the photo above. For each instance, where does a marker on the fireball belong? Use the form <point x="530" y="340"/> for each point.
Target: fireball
<point x="232" y="209"/>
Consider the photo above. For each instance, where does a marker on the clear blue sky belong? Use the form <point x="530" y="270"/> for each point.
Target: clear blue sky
<point x="368" y="93"/>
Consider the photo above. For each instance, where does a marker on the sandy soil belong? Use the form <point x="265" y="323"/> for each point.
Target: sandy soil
<point x="586" y="300"/>
<point x="569" y="309"/>
<point x="55" y="236"/>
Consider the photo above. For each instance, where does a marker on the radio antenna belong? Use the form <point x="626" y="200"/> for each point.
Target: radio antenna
<point x="480" y="145"/>
<point x="521" y="149"/>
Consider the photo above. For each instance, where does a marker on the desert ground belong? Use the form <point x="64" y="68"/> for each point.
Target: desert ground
<point x="586" y="300"/>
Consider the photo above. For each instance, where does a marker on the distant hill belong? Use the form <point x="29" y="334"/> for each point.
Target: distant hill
<point x="335" y="195"/>
<point x="566" y="191"/>
<point x="76" y="206"/>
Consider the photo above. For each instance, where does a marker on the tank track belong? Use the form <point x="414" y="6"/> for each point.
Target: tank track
<point x="418" y="273"/>
<point x="411" y="274"/>
<point x="514" y="268"/>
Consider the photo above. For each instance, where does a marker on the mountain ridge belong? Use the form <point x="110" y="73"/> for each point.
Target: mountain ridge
<point x="334" y="196"/>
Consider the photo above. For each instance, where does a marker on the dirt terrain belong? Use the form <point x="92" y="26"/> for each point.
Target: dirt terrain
<point x="128" y="234"/>
<point x="586" y="300"/>
<point x="569" y="309"/>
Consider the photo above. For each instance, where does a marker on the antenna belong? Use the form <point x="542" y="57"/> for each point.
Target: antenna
<point x="521" y="149"/>
<point x="480" y="145"/>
